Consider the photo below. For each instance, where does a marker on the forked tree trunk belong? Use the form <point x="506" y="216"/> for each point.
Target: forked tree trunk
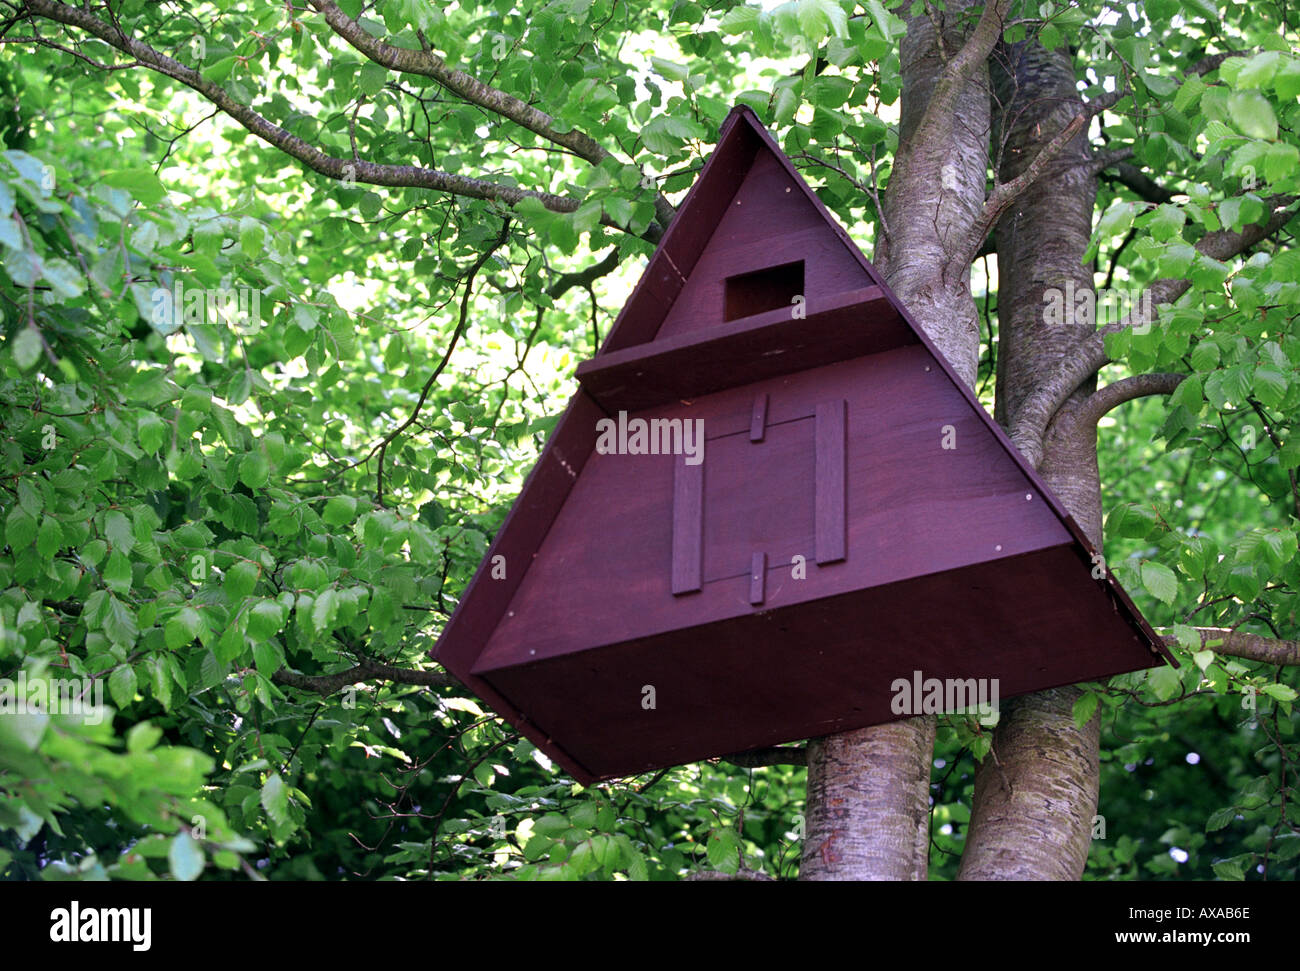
<point x="1036" y="794"/>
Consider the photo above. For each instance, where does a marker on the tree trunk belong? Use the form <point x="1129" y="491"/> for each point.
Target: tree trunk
<point x="868" y="805"/>
<point x="1036" y="794"/>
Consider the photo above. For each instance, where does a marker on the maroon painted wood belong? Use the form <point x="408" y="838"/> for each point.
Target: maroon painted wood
<point x="757" y="578"/>
<point x="688" y="525"/>
<point x="837" y="327"/>
<point x="825" y="543"/>
<point x="758" y="418"/>
<point x="829" y="483"/>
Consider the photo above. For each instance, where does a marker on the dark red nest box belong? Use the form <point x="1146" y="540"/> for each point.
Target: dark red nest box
<point x="770" y="498"/>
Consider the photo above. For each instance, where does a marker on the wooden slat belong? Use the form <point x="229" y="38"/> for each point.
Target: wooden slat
<point x="830" y="520"/>
<point x="688" y="526"/>
<point x="757" y="578"/>
<point x="758" y="419"/>
<point x="837" y="328"/>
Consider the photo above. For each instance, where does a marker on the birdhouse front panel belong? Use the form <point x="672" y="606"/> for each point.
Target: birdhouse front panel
<point x="768" y="502"/>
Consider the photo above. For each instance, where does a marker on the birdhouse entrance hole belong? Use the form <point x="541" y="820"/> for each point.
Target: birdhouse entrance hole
<point x="762" y="290"/>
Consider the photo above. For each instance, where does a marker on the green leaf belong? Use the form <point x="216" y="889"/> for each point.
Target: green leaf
<point x="252" y="237"/>
<point x="1165" y="682"/>
<point x="1159" y="581"/>
<point x="275" y="800"/>
<point x="371" y="79"/>
<point x="64" y="278"/>
<point x="1229" y="870"/>
<point x="1270" y="386"/>
<point x="265" y="620"/>
<point x="738" y="20"/>
<point x="1220" y="818"/>
<point x="663" y="133"/>
<point x="185" y="857"/>
<point x="1279" y="692"/>
<point x="723" y="850"/>
<point x="122" y="685"/>
<point x="1165" y="222"/>
<point x="1287" y="81"/>
<point x="220" y="70"/>
<point x="49" y="538"/>
<point x="817" y="18"/>
<point x="141" y="183"/>
<point x="1191" y="90"/>
<point x="1114" y="222"/>
<point x="117" y="573"/>
<point x="1255" y="71"/>
<point x="23" y="730"/>
<point x="1135" y="520"/>
<point x="1252" y="114"/>
<point x="117" y="530"/>
<point x="254" y="470"/>
<point x="210" y="670"/>
<point x="1189" y="395"/>
<point x="325" y="610"/>
<point x="240" y="580"/>
<point x="1205" y="357"/>
<point x="268" y="658"/>
<point x="1084" y="708"/>
<point x="182" y="628"/>
<point x="120" y="623"/>
<point x="669" y="69"/>
<point x="26" y="347"/>
<point x="340" y="510"/>
<point x="152" y="432"/>
<point x="305" y="316"/>
<point x="20" y="529"/>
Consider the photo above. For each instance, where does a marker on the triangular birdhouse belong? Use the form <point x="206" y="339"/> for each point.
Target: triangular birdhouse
<point x="769" y="505"/>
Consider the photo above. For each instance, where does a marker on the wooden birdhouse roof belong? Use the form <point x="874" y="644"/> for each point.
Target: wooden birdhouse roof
<point x="849" y="514"/>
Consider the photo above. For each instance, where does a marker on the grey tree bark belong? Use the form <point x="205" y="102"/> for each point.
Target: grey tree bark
<point x="868" y="806"/>
<point x="1036" y="794"/>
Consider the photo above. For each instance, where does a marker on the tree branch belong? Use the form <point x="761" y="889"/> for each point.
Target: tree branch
<point x="741" y="874"/>
<point x="382" y="447"/>
<point x="327" y="684"/>
<point x="959" y="70"/>
<point x="1038" y="409"/>
<point x="977" y="48"/>
<point x="1117" y="392"/>
<point x="1252" y="647"/>
<point x="584" y="277"/>
<point x="1207" y="64"/>
<point x="772" y="755"/>
<point x="1130" y="176"/>
<point x="354" y="170"/>
<point x="428" y="64"/>
<point x="1004" y="193"/>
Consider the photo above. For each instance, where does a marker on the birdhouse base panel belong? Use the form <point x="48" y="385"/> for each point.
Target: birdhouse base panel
<point x="823" y="666"/>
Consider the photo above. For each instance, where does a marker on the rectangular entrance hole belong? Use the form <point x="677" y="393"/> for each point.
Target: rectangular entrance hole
<point x="762" y="290"/>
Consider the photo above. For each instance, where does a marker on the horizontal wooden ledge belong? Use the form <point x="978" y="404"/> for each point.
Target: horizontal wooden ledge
<point x="843" y="326"/>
